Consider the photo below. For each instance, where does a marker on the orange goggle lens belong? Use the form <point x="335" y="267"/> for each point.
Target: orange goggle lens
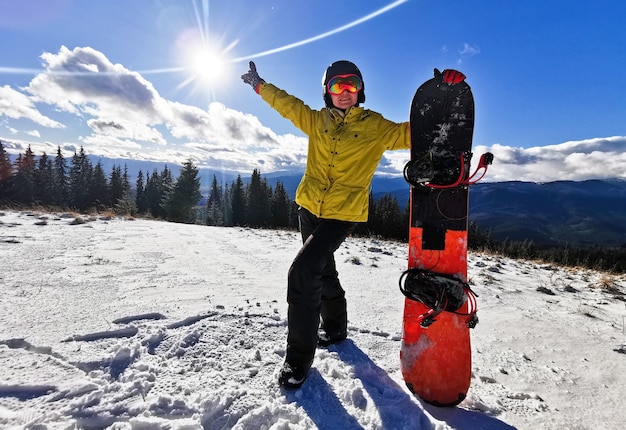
<point x="338" y="84"/>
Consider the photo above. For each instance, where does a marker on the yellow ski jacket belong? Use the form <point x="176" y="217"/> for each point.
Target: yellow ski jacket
<point x="343" y="154"/>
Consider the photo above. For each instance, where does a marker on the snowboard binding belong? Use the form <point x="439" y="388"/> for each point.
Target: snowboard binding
<point x="440" y="293"/>
<point x="421" y="172"/>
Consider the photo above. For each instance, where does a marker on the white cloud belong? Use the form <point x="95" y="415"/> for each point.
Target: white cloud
<point x="575" y="160"/>
<point x="14" y="104"/>
<point x="34" y="133"/>
<point x="467" y="51"/>
<point x="393" y="162"/>
<point x="84" y="82"/>
<point x="124" y="129"/>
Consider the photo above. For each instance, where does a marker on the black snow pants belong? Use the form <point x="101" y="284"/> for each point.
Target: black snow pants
<point x="313" y="288"/>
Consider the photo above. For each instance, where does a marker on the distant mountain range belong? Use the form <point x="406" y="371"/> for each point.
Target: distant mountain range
<point x="586" y="213"/>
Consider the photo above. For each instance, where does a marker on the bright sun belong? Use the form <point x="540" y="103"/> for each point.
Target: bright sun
<point x="207" y="64"/>
<point x="205" y="60"/>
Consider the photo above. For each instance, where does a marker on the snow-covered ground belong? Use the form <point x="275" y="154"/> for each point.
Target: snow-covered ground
<point x="137" y="324"/>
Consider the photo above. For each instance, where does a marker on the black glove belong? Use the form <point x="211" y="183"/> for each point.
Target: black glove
<point x="252" y="78"/>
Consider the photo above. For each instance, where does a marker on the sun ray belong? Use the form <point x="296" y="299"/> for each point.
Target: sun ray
<point x="323" y="35"/>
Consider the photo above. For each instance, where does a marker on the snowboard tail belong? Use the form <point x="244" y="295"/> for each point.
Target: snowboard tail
<point x="435" y="353"/>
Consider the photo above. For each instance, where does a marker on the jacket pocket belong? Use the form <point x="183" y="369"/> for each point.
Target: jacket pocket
<point x="347" y="203"/>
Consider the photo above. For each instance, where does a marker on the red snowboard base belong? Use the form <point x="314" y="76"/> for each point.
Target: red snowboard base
<point x="436" y="361"/>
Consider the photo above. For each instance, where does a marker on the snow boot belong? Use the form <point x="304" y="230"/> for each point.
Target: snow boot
<point x="325" y="339"/>
<point x="291" y="376"/>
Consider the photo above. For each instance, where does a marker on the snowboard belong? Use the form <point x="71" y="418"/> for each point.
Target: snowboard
<point x="439" y="307"/>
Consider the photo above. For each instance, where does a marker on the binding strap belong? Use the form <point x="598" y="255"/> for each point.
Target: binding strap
<point x="440" y="293"/>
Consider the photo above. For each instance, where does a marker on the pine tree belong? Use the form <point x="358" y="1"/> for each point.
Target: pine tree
<point x="238" y="202"/>
<point x="390" y="217"/>
<point x="79" y="181"/>
<point x="183" y="197"/>
<point x="98" y="188"/>
<point x="6" y="170"/>
<point x="116" y="185"/>
<point x="126" y="189"/>
<point x="258" y="203"/>
<point x="280" y="206"/>
<point x="125" y="205"/>
<point x="215" y="204"/>
<point x="6" y="173"/>
<point x="59" y="182"/>
<point x="24" y="180"/>
<point x="44" y="181"/>
<point x="227" y="207"/>
<point x="166" y="185"/>
<point x="120" y="193"/>
<point x="153" y="194"/>
<point x="140" y="198"/>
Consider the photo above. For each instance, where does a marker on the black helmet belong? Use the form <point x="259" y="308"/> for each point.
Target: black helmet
<point x="342" y="67"/>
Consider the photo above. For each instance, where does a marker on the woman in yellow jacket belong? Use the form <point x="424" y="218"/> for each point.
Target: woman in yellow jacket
<point x="346" y="143"/>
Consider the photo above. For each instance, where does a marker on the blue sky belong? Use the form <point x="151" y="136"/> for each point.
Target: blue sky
<point x="159" y="80"/>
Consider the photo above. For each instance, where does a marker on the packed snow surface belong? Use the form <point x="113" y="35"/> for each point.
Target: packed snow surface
<point x="140" y="324"/>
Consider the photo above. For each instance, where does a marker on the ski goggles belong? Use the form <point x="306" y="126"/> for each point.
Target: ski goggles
<point x="340" y="83"/>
